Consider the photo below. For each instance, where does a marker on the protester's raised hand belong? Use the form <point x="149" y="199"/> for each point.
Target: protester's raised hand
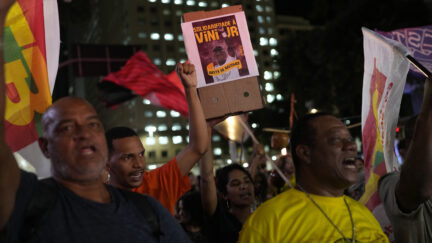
<point x="187" y="74"/>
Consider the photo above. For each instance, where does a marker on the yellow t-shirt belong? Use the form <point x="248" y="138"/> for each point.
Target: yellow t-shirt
<point x="292" y="217"/>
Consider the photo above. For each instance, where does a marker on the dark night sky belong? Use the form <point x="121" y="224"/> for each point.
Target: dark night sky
<point x="316" y="11"/>
<point x="292" y="7"/>
<point x="321" y="11"/>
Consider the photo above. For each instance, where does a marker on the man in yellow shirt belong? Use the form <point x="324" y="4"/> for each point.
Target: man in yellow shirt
<point x="316" y="210"/>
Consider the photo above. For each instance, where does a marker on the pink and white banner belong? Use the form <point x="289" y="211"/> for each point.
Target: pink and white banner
<point x="385" y="72"/>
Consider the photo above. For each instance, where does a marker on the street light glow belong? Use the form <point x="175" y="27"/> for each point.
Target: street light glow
<point x="231" y="126"/>
<point x="284" y="151"/>
<point x="313" y="111"/>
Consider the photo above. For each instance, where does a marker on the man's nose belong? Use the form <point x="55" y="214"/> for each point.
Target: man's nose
<point x="350" y="145"/>
<point x="243" y="185"/>
<point x="82" y="132"/>
<point x="138" y="162"/>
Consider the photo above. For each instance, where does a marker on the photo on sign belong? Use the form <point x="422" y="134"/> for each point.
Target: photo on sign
<point x="220" y="49"/>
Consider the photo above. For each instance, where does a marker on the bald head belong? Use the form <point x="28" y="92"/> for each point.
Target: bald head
<point x="74" y="140"/>
<point x="59" y="107"/>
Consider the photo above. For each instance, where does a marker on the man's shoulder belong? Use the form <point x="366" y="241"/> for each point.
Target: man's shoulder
<point x="358" y="206"/>
<point x="28" y="176"/>
<point x="388" y="180"/>
<point x="386" y="188"/>
<point x="131" y="195"/>
<point x="152" y="174"/>
<point x="27" y="186"/>
<point x="166" y="166"/>
<point x="282" y="203"/>
<point x="286" y="209"/>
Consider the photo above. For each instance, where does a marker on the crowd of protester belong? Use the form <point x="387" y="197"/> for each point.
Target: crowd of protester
<point x="312" y="197"/>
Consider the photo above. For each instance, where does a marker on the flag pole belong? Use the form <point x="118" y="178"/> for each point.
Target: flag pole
<point x="354" y="125"/>
<point x="419" y="66"/>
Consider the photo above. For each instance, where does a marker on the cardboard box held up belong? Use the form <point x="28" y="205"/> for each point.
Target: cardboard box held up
<point x="225" y="88"/>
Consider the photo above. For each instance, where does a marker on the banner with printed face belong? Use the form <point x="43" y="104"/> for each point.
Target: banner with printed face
<point x="220" y="48"/>
<point x="30" y="70"/>
<point x="385" y="72"/>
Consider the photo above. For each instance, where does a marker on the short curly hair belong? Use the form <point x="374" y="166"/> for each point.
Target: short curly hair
<point x="117" y="133"/>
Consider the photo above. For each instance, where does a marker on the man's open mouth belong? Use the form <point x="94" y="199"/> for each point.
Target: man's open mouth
<point x="350" y="163"/>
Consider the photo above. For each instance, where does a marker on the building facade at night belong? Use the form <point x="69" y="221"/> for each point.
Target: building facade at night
<point x="153" y="26"/>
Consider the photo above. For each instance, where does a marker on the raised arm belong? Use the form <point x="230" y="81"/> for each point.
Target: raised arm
<point x="207" y="180"/>
<point x="415" y="184"/>
<point x="9" y="172"/>
<point x="197" y="146"/>
<point x="257" y="160"/>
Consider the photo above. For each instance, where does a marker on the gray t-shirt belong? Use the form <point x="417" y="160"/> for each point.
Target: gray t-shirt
<point x="415" y="226"/>
<point x="76" y="219"/>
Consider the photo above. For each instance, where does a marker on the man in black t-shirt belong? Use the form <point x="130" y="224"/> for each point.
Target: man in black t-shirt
<point x="85" y="209"/>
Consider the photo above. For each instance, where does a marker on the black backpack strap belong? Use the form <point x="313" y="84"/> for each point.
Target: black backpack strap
<point x="143" y="205"/>
<point x="44" y="198"/>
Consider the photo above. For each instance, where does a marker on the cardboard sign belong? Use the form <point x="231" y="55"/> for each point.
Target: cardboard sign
<point x="221" y="48"/>
<point x="218" y="44"/>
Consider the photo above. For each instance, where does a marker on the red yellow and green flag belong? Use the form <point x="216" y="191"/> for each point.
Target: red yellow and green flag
<point x="31" y="50"/>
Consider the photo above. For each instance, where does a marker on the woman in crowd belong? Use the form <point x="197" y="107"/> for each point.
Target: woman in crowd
<point x="189" y="213"/>
<point x="225" y="215"/>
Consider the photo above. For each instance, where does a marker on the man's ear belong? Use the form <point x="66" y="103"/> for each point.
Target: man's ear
<point x="43" y="145"/>
<point x="303" y="153"/>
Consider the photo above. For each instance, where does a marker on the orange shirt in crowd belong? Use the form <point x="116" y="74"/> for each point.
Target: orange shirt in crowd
<point x="166" y="184"/>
